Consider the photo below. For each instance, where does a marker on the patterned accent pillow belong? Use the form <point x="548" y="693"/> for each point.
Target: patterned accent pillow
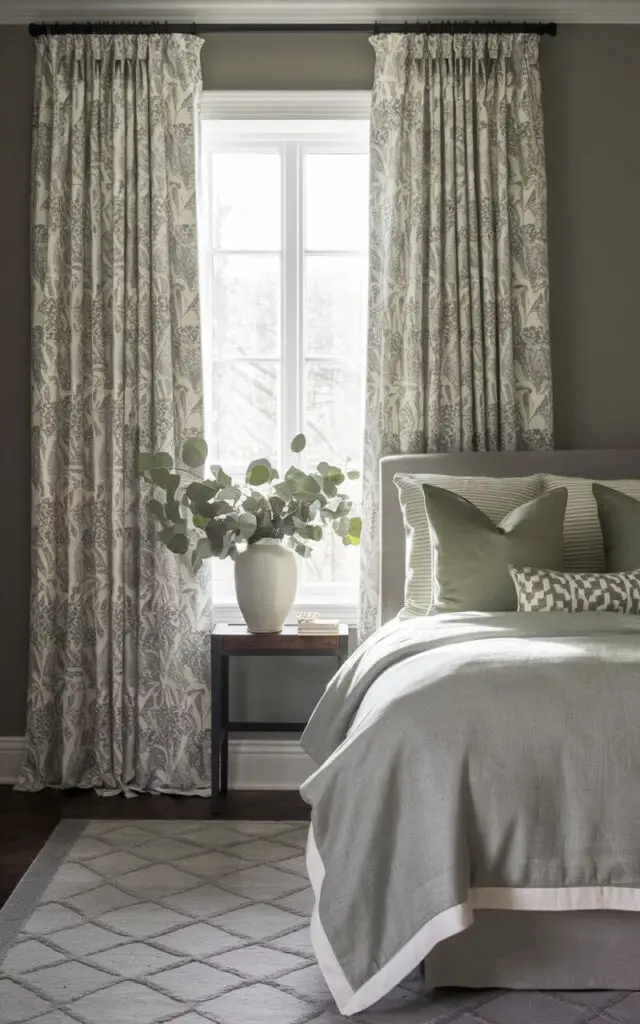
<point x="545" y="590"/>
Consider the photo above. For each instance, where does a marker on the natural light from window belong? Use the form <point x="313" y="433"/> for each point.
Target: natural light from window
<point x="284" y="284"/>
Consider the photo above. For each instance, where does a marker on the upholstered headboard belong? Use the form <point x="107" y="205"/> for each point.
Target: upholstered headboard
<point x="599" y="465"/>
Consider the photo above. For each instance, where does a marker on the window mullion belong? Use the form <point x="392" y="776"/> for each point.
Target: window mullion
<point x="291" y="304"/>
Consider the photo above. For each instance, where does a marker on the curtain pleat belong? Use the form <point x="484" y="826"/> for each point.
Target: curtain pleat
<point x="458" y="350"/>
<point x="119" y="672"/>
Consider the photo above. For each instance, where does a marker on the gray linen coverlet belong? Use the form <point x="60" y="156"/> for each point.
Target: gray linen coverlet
<point x="470" y="760"/>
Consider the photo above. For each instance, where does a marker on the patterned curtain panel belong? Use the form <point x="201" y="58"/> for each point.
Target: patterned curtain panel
<point x="459" y="355"/>
<point x="118" y="694"/>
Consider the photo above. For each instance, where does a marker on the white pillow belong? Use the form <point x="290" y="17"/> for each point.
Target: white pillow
<point x="583" y="544"/>
<point x="495" y="496"/>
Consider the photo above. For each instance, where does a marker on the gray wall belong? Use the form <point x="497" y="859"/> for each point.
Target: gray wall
<point x="591" y="80"/>
<point x="16" y="87"/>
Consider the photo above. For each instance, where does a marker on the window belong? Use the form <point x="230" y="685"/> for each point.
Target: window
<point x="284" y="282"/>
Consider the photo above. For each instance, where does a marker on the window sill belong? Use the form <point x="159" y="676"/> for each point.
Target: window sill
<point x="229" y="612"/>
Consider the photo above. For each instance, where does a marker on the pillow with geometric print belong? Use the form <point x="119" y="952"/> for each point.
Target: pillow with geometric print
<point x="547" y="590"/>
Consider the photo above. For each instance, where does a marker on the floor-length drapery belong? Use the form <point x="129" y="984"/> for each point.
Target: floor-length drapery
<point x="118" y="694"/>
<point x="458" y="349"/>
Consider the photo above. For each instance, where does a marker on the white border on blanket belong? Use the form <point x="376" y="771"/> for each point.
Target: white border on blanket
<point x="443" y="926"/>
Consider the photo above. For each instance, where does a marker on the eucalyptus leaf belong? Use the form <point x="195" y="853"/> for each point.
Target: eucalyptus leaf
<point x="201" y="551"/>
<point x="155" y="508"/>
<point x="277" y="505"/>
<point x="215" y="535"/>
<point x="179" y="544"/>
<point x="194" y="452"/>
<point x="311" y="485"/>
<point x="341" y="527"/>
<point x="335" y="475"/>
<point x="220" y="508"/>
<point x="355" y="526"/>
<point x="255" y="502"/>
<point x="247" y="523"/>
<point x="287" y="525"/>
<point x="173" y="512"/>
<point x="284" y="491"/>
<point x="258" y="474"/>
<point x="229" y="493"/>
<point x="175" y="539"/>
<point x="221" y="477"/>
<point x="227" y="515"/>
<point x="330" y="488"/>
<point x="154" y="460"/>
<point x="202" y="491"/>
<point x="168" y="481"/>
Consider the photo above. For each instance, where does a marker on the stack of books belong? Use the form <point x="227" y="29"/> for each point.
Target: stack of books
<point x="315" y="626"/>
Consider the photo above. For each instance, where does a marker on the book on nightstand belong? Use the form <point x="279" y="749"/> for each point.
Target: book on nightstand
<point x="318" y="627"/>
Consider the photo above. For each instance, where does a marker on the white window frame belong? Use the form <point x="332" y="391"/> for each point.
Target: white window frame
<point x="306" y="111"/>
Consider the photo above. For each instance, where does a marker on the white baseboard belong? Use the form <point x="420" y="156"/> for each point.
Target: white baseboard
<point x="253" y="764"/>
<point x="11" y="754"/>
<point x="267" y="764"/>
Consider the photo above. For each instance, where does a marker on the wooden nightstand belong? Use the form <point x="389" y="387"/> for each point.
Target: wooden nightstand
<point x="229" y="640"/>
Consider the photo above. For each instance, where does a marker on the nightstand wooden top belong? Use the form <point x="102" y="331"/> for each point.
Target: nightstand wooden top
<point x="238" y="639"/>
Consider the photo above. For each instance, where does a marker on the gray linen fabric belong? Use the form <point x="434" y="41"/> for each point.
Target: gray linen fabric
<point x="619" y="516"/>
<point x="472" y="751"/>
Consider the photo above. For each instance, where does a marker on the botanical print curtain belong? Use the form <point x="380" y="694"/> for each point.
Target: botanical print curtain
<point x="118" y="694"/>
<point x="458" y="355"/>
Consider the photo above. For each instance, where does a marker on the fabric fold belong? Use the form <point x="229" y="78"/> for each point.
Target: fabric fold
<point x="119" y="673"/>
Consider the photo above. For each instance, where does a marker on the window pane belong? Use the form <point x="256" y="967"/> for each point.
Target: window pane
<point x="334" y="397"/>
<point x="246" y="200"/>
<point x="244" y="413"/>
<point x="246" y="306"/>
<point x="336" y="201"/>
<point x="335" y="311"/>
<point x="332" y="562"/>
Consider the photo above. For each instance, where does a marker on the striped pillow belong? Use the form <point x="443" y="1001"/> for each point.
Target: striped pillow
<point x="583" y="544"/>
<point x="495" y="496"/>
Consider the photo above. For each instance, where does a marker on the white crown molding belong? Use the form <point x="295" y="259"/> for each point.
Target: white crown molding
<point x="253" y="764"/>
<point x="317" y="11"/>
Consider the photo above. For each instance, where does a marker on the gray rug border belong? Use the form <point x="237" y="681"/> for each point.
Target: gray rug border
<point x="22" y="901"/>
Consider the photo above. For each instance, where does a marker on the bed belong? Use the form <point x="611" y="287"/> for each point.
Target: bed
<point x="367" y="795"/>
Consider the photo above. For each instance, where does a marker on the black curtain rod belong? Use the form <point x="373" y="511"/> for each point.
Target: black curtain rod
<point x="138" y="28"/>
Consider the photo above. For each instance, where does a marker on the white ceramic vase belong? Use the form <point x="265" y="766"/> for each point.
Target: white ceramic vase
<point x="266" y="579"/>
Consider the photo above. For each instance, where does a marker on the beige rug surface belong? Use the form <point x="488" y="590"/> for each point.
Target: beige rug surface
<point x="205" y="922"/>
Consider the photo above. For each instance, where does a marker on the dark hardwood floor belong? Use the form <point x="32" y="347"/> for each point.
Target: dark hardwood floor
<point x="28" y="819"/>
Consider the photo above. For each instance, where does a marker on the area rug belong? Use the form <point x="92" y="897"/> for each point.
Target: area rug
<point x="200" y="922"/>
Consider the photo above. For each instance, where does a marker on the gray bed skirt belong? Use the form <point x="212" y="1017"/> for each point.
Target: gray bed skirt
<point x="590" y="949"/>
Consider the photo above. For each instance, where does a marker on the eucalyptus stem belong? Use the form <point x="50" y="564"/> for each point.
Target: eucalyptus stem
<point x="227" y="515"/>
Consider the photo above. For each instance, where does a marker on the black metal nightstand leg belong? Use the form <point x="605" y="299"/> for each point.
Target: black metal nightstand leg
<point x="217" y="660"/>
<point x="224" y="758"/>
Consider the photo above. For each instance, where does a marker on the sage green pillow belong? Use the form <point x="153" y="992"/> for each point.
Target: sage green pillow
<point x="619" y="516"/>
<point x="471" y="555"/>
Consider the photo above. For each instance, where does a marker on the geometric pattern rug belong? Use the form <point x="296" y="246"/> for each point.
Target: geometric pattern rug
<point x="206" y="922"/>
